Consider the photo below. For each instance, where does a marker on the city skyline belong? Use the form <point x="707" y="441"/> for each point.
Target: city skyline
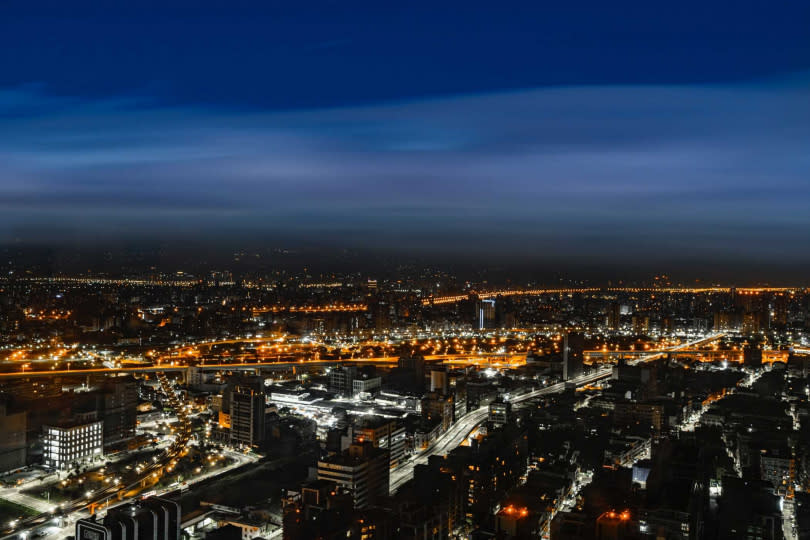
<point x="418" y="271"/>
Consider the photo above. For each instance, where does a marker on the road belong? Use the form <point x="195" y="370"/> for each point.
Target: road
<point x="436" y="300"/>
<point x="467" y="423"/>
<point x="496" y="360"/>
<point x="55" y="532"/>
<point x="105" y="496"/>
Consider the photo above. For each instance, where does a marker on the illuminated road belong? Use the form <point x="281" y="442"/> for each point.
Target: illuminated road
<point x="438" y="300"/>
<point x="496" y="360"/>
<point x="105" y="496"/>
<point x="467" y="423"/>
<point x="676" y="348"/>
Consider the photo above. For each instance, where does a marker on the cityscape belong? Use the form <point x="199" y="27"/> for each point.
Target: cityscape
<point x="419" y="407"/>
<point x="404" y="270"/>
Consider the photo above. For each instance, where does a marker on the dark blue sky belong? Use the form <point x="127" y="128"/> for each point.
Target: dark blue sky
<point x="578" y="131"/>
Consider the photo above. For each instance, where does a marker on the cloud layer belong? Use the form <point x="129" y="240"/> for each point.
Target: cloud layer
<point x="577" y="172"/>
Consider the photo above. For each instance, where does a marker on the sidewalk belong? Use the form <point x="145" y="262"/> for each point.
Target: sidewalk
<point x="34" y="503"/>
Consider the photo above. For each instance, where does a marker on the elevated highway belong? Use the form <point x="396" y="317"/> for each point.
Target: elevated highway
<point x="482" y="360"/>
<point x="438" y="300"/>
<point x="459" y="431"/>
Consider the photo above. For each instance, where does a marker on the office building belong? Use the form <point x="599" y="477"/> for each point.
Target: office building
<point x="72" y="443"/>
<point x="573" y="355"/>
<point x="341" y="378"/>
<point x="383" y="433"/>
<point x="363" y="387"/>
<point x="500" y="412"/>
<point x="117" y="408"/>
<point x="485" y="314"/>
<point x="415" y="363"/>
<point x="614" y="316"/>
<point x="362" y="469"/>
<point x="439" y="408"/>
<point x="439" y="381"/>
<point x="247" y="417"/>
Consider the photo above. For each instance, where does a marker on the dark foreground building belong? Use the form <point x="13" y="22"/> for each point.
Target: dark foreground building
<point x="151" y="519"/>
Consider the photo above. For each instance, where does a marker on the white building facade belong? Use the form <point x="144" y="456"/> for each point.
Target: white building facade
<point x="64" y="446"/>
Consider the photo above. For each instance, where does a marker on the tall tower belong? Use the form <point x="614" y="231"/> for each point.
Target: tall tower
<point x="485" y="314"/>
<point x="573" y="347"/>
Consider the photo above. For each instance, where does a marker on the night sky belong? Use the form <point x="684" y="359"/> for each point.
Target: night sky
<point x="568" y="132"/>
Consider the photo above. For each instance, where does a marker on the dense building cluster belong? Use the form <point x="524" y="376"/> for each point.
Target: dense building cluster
<point x="423" y="407"/>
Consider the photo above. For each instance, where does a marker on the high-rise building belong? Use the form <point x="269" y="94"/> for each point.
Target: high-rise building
<point x="383" y="433"/>
<point x="351" y="381"/>
<point x="363" y="469"/>
<point x="247" y="417"/>
<point x="341" y="378"/>
<point x="485" y="314"/>
<point x="438" y="407"/>
<point x="438" y="381"/>
<point x="573" y="355"/>
<point x="614" y="525"/>
<point x="614" y="316"/>
<point x="117" y="408"/>
<point x="251" y="382"/>
<point x="414" y="362"/>
<point x="13" y="426"/>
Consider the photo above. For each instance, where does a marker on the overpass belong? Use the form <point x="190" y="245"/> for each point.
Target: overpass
<point x="482" y="360"/>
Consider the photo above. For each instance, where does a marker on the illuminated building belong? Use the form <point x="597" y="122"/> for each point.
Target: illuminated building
<point x="365" y="386"/>
<point x="516" y="522"/>
<point x="72" y="443"/>
<point x="485" y="314"/>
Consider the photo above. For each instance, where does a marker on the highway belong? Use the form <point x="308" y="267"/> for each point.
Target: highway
<point x="499" y="360"/>
<point x="467" y="423"/>
<point x="438" y="300"/>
